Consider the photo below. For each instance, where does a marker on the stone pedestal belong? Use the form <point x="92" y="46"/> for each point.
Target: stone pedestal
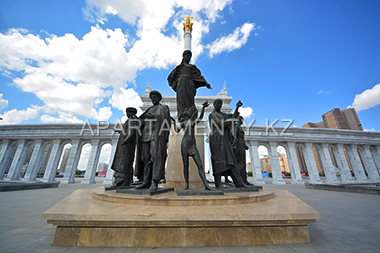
<point x="174" y="168"/>
<point x="98" y="218"/>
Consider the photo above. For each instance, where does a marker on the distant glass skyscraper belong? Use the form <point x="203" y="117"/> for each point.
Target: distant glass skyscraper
<point x="337" y="119"/>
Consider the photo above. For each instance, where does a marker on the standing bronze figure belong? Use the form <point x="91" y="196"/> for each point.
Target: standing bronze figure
<point x="185" y="79"/>
<point x="155" y="137"/>
<point x="189" y="146"/>
<point x="125" y="150"/>
<point x="239" y="148"/>
<point x="222" y="154"/>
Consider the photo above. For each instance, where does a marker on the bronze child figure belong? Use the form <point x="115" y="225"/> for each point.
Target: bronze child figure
<point x="188" y="145"/>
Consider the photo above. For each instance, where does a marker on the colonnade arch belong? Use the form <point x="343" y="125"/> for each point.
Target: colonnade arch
<point x="48" y="141"/>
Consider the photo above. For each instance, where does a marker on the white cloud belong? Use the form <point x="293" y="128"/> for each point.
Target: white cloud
<point x="370" y="130"/>
<point x="73" y="76"/>
<point x="367" y="99"/>
<point x="63" y="118"/>
<point x="263" y="151"/>
<point x="232" y="41"/>
<point x="323" y="91"/>
<point x="17" y="116"/>
<point x="122" y="98"/>
<point x="245" y="112"/>
<point x="3" y="102"/>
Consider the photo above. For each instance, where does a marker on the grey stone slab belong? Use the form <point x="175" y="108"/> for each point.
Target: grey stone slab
<point x="258" y="249"/>
<point x="280" y="248"/>
<point x="123" y="250"/>
<point x="198" y="192"/>
<point x="214" y="250"/>
<point x="236" y="250"/>
<point x="135" y="191"/>
<point x="304" y="248"/>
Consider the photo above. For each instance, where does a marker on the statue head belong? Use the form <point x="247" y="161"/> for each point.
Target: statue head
<point x="130" y="111"/>
<point x="218" y="104"/>
<point x="155" y="96"/>
<point x="186" y="56"/>
<point x="240" y="120"/>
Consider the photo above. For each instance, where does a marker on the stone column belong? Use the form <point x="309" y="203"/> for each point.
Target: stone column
<point x="92" y="164"/>
<point x="4" y="152"/>
<point x="343" y="166"/>
<point x="293" y="164"/>
<point x="255" y="162"/>
<point x="311" y="165"/>
<point x="370" y="165"/>
<point x="18" y="160"/>
<point x="72" y="162"/>
<point x="109" y="176"/>
<point x="187" y="40"/>
<point x="35" y="161"/>
<point x="375" y="154"/>
<point x="327" y="165"/>
<point x="275" y="164"/>
<point x="356" y="164"/>
<point x="51" y="167"/>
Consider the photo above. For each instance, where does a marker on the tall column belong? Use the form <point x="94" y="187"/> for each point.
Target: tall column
<point x="328" y="166"/>
<point x="370" y="164"/>
<point x="51" y="167"/>
<point x="35" y="161"/>
<point x="311" y="165"/>
<point x="375" y="154"/>
<point x="356" y="164"/>
<point x="255" y="162"/>
<point x="92" y="164"/>
<point x="18" y="160"/>
<point x="293" y="164"/>
<point x="109" y="176"/>
<point x="187" y="40"/>
<point x="4" y="152"/>
<point x="72" y="162"/>
<point x="275" y="164"/>
<point x="343" y="166"/>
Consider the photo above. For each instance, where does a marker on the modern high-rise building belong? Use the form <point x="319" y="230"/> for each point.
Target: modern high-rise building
<point x="337" y="119"/>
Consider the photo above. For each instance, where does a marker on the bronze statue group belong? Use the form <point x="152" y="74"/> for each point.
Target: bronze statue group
<point x="148" y="136"/>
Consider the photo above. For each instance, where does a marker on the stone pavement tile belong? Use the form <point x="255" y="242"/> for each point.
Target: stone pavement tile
<point x="280" y="248"/>
<point x="88" y="249"/>
<point x="304" y="248"/>
<point x="214" y="250"/>
<point x="123" y="250"/>
<point x="52" y="249"/>
<point x="258" y="249"/>
<point x="191" y="250"/>
<point x="236" y="250"/>
<point x="151" y="250"/>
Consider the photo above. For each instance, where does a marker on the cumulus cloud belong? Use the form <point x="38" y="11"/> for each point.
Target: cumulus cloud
<point x="62" y="118"/>
<point x="367" y="99"/>
<point x="122" y="99"/>
<point x="246" y="112"/>
<point x="3" y="102"/>
<point x="17" y="116"/>
<point x="232" y="41"/>
<point x="77" y="76"/>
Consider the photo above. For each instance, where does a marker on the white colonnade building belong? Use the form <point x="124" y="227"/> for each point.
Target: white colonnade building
<point x="343" y="156"/>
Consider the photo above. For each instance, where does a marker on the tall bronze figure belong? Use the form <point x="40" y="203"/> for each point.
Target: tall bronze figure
<point x="189" y="146"/>
<point x="222" y="154"/>
<point x="155" y="137"/>
<point x="185" y="79"/>
<point x="125" y="150"/>
<point x="239" y="148"/>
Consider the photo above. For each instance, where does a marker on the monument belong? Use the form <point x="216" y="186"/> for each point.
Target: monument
<point x="117" y="218"/>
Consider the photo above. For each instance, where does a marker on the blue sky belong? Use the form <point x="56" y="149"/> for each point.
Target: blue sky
<point x="68" y="61"/>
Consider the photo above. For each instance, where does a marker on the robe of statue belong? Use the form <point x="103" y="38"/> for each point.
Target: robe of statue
<point x="239" y="148"/>
<point x="222" y="154"/>
<point x="125" y="153"/>
<point x="156" y="129"/>
<point x="185" y="79"/>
